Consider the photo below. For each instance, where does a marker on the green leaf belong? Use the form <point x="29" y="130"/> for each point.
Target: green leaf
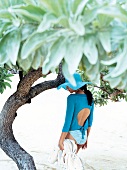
<point x="77" y="26"/>
<point x="13" y="45"/>
<point x="56" y="53"/>
<point x="9" y="28"/>
<point x="31" y="2"/>
<point x="7" y="3"/>
<point x="37" y="61"/>
<point x="74" y="5"/>
<point x="90" y="49"/>
<point x="122" y="85"/>
<point x="111" y="61"/>
<point x="105" y="40"/>
<point x="26" y="63"/>
<point x="7" y="84"/>
<point x="74" y="53"/>
<point x="113" y="81"/>
<point x="67" y="74"/>
<point x="65" y="7"/>
<point x="1" y="90"/>
<point x="9" y="75"/>
<point x="89" y="16"/>
<point x="86" y="63"/>
<point x="104" y="20"/>
<point x="90" y="69"/>
<point x="118" y="33"/>
<point x="3" y="57"/>
<point x="4" y="4"/>
<point x="4" y="27"/>
<point x="114" y="11"/>
<point x="48" y="20"/>
<point x="33" y="12"/>
<point x="121" y="66"/>
<point x="52" y="6"/>
<point x="8" y="79"/>
<point x="4" y="14"/>
<point x="3" y="85"/>
<point x="3" y="47"/>
<point x="9" y="47"/>
<point x="38" y="58"/>
<point x="36" y="40"/>
<point x="27" y="30"/>
<point x="96" y="76"/>
<point x="80" y="7"/>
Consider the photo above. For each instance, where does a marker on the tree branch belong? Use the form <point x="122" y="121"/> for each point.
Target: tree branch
<point x="27" y="81"/>
<point x="115" y="93"/>
<point x="39" y="88"/>
<point x="103" y="89"/>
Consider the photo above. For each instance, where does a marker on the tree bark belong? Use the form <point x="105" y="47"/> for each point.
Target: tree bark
<point x="24" y="92"/>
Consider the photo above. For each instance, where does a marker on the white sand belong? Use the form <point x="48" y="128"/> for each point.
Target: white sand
<point x="38" y="126"/>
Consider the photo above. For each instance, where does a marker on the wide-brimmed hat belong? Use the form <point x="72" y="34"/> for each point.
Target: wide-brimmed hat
<point x="78" y="80"/>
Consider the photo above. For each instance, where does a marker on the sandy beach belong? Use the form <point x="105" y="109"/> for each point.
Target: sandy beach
<point x="38" y="126"/>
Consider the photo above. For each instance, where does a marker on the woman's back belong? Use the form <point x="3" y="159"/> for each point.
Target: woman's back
<point x="77" y="112"/>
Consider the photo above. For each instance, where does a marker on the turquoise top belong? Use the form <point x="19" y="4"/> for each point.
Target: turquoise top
<point x="75" y="103"/>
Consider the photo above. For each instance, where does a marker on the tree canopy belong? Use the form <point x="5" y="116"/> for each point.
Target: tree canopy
<point x="85" y="35"/>
<point x="38" y="37"/>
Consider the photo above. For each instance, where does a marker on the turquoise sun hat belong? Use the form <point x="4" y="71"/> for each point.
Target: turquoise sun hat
<point x="78" y="80"/>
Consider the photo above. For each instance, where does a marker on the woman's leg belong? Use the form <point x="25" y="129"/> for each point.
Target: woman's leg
<point x="78" y="147"/>
<point x="69" y="136"/>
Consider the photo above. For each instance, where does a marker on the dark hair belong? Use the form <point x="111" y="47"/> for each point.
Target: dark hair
<point x="88" y="94"/>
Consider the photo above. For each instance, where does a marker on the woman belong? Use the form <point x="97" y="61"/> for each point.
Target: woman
<point x="79" y="113"/>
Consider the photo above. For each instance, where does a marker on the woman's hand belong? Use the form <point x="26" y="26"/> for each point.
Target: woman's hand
<point x="84" y="146"/>
<point x="61" y="145"/>
<point x="61" y="140"/>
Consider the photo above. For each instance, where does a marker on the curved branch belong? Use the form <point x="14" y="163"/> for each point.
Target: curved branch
<point x="39" y="88"/>
<point x="27" y="81"/>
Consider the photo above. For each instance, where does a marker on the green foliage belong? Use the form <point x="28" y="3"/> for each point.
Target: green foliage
<point x="4" y="79"/>
<point x="103" y="93"/>
<point x="85" y="34"/>
<point x="7" y="3"/>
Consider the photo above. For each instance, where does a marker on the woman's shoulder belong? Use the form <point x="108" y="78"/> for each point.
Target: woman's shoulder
<point x="77" y="95"/>
<point x="71" y="96"/>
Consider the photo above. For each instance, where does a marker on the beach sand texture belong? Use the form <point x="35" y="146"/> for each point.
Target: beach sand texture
<point x="38" y="126"/>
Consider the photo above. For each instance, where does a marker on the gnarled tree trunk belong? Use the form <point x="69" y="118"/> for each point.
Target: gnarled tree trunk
<point x="24" y="92"/>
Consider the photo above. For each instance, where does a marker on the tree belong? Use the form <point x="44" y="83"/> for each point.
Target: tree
<point x="36" y="36"/>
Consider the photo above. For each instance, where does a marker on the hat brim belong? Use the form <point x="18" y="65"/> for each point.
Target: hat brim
<point x="78" y="85"/>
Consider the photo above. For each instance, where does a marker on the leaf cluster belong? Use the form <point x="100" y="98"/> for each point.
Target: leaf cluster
<point x="85" y="34"/>
<point x="4" y="79"/>
<point x="103" y="93"/>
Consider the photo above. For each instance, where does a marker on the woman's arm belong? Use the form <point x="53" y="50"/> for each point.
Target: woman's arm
<point x="69" y="113"/>
<point x="68" y="120"/>
<point x="84" y="146"/>
<point x="88" y="131"/>
<point x="61" y="140"/>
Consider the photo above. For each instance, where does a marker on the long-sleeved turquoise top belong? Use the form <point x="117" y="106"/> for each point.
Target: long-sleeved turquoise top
<point x="75" y="103"/>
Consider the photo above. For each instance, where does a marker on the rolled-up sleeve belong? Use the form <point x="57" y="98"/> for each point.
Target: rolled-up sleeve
<point x="69" y="113"/>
